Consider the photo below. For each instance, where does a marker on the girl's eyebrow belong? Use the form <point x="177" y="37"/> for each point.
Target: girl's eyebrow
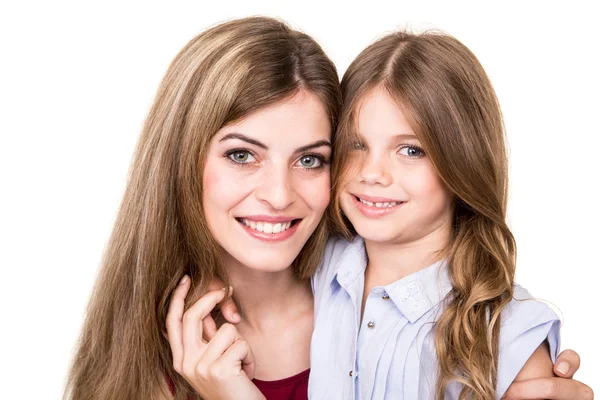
<point x="255" y="142"/>
<point x="406" y="136"/>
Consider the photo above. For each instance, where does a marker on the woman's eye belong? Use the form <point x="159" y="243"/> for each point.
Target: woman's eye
<point x="411" y="151"/>
<point x="310" y="162"/>
<point x="241" y="157"/>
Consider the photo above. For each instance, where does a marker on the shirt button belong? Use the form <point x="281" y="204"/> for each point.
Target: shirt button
<point x="350" y="373"/>
<point x="371" y="324"/>
<point x="385" y="296"/>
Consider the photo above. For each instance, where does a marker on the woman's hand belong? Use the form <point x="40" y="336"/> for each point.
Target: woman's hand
<point x="562" y="387"/>
<point x="218" y="364"/>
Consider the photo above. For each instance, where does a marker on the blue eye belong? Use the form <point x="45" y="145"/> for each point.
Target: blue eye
<point x="411" y="151"/>
<point x="310" y="162"/>
<point x="241" y="156"/>
<point x="358" y="146"/>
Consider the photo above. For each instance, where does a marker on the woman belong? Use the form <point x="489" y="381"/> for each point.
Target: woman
<point x="230" y="180"/>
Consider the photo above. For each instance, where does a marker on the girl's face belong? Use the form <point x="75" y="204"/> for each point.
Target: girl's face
<point x="395" y="194"/>
<point x="266" y="182"/>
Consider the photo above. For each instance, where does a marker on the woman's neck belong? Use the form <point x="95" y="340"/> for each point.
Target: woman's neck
<point x="267" y="298"/>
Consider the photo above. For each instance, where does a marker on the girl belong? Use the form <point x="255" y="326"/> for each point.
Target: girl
<point x="422" y="303"/>
<point x="230" y="180"/>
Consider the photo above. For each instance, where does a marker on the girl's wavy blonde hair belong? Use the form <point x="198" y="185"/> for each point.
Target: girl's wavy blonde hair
<point x="160" y="233"/>
<point x="454" y="111"/>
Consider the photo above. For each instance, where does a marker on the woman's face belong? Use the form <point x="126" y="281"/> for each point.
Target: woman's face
<point x="396" y="195"/>
<point x="266" y="182"/>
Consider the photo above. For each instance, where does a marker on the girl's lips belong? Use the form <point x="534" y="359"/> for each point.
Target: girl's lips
<point x="271" y="237"/>
<point x="375" y="199"/>
<point x="373" y="211"/>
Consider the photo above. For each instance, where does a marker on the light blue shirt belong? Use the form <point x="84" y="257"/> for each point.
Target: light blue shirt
<point x="391" y="354"/>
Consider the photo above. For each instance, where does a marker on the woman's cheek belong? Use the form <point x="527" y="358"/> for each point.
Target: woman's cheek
<point x="317" y="192"/>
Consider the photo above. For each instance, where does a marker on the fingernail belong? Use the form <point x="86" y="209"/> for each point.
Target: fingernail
<point x="183" y="280"/>
<point x="230" y="290"/>
<point x="236" y="317"/>
<point x="563" y="367"/>
<point x="224" y="289"/>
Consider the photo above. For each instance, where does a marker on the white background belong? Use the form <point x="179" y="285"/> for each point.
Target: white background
<point x="76" y="81"/>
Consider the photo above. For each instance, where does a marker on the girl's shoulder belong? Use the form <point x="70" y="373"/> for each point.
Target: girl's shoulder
<point x="526" y="322"/>
<point x="337" y="251"/>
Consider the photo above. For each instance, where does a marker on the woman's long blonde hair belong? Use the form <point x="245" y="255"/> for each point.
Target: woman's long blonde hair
<point x="161" y="233"/>
<point x="454" y="111"/>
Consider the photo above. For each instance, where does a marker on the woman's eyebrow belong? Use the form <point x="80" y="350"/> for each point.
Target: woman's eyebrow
<point x="255" y="142"/>
<point x="244" y="138"/>
<point x="314" y="145"/>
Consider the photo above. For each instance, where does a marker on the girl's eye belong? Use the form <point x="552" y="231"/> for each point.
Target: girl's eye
<point x="411" y="151"/>
<point x="241" y="157"/>
<point x="310" y="162"/>
<point x="358" y="146"/>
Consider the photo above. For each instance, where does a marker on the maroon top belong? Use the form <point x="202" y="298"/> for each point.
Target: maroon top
<point x="292" y="388"/>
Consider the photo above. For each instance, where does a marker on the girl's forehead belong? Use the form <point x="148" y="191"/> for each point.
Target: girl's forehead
<point x="378" y="113"/>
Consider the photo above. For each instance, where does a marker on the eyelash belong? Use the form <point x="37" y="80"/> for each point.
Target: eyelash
<point x="361" y="146"/>
<point x="412" y="146"/>
<point x="231" y="152"/>
<point x="319" y="157"/>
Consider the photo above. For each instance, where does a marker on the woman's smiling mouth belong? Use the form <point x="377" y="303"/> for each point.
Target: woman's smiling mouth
<point x="270" y="229"/>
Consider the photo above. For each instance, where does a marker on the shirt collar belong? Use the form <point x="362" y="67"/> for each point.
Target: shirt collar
<point x="353" y="262"/>
<point x="419" y="292"/>
<point x="414" y="295"/>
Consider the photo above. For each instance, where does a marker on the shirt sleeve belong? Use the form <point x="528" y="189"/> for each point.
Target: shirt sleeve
<point x="526" y="324"/>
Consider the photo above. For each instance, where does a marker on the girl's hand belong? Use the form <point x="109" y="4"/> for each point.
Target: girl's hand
<point x="218" y="364"/>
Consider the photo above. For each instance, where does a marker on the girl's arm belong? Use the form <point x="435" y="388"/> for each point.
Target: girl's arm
<point x="539" y="365"/>
<point x="562" y="387"/>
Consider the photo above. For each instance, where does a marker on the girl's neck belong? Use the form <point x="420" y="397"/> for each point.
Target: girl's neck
<point x="391" y="261"/>
<point x="265" y="298"/>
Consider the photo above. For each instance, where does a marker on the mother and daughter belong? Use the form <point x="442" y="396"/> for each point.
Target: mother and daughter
<point x="400" y="285"/>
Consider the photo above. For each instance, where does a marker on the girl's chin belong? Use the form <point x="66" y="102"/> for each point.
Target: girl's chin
<point x="377" y="235"/>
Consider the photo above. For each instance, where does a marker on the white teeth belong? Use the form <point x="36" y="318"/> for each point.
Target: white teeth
<point x="267" y="227"/>
<point x="379" y="205"/>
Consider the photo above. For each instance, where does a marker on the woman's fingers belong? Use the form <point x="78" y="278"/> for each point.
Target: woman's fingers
<point x="567" y="364"/>
<point x="229" y="309"/>
<point x="238" y="352"/>
<point x="174" y="321"/>
<point x="209" y="328"/>
<point x="220" y="342"/>
<point x="193" y="317"/>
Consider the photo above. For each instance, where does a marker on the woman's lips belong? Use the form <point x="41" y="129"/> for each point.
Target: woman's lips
<point x="272" y="229"/>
